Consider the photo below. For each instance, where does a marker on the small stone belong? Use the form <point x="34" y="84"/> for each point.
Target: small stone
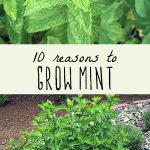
<point x="140" y="105"/>
<point x="126" y="119"/>
<point x="4" y="142"/>
<point x="125" y="109"/>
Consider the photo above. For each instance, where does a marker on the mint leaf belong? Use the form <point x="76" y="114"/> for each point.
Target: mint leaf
<point x="143" y="8"/>
<point x="146" y="39"/>
<point x="112" y="34"/>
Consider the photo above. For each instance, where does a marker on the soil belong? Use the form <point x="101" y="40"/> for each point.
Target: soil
<point x="16" y="116"/>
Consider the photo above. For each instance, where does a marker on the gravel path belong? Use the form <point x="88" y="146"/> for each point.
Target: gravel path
<point x="132" y="114"/>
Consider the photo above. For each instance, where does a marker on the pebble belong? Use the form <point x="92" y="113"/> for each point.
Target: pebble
<point x="3" y="142"/>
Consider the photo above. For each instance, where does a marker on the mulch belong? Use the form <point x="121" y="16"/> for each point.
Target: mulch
<point x="17" y="116"/>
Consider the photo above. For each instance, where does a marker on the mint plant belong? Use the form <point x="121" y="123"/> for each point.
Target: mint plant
<point x="74" y="21"/>
<point x="86" y="125"/>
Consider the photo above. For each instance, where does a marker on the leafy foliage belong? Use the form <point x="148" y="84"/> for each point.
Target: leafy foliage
<point x="134" y="136"/>
<point x="85" y="126"/>
<point x="146" y="119"/>
<point x="4" y="99"/>
<point x="75" y="21"/>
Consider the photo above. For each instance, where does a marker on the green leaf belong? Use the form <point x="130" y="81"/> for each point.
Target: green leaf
<point x="110" y="96"/>
<point x="59" y="33"/>
<point x="46" y="19"/>
<point x="53" y="40"/>
<point x="96" y="29"/>
<point x="1" y="41"/>
<point x="143" y="8"/>
<point x="79" y="26"/>
<point x="113" y="12"/>
<point x="132" y="41"/>
<point x="2" y="22"/>
<point x="14" y="19"/>
<point x="146" y="39"/>
<point x="70" y="102"/>
<point x="10" y="7"/>
<point x="111" y="34"/>
<point x="38" y="5"/>
<point x="96" y="99"/>
<point x="82" y="4"/>
<point x="130" y="3"/>
<point x="96" y="8"/>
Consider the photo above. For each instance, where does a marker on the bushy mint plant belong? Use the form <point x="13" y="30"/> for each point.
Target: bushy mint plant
<point x="86" y="125"/>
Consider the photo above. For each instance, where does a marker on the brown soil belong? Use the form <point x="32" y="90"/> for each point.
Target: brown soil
<point x="17" y="115"/>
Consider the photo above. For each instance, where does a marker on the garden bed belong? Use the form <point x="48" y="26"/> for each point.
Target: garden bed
<point x="17" y="115"/>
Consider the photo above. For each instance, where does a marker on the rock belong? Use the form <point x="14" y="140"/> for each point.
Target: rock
<point x="125" y="109"/>
<point x="140" y="105"/>
<point x="145" y="148"/>
<point x="126" y="119"/>
<point x="4" y="142"/>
